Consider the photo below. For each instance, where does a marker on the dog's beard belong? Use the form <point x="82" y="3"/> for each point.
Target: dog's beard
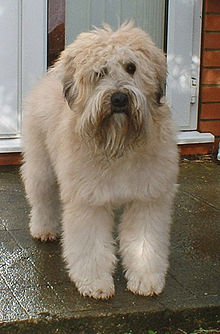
<point x="113" y="132"/>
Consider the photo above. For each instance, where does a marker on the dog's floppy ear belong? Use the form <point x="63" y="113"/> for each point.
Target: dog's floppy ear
<point x="160" y="92"/>
<point x="161" y="74"/>
<point x="157" y="61"/>
<point x="64" y="69"/>
<point x="69" y="92"/>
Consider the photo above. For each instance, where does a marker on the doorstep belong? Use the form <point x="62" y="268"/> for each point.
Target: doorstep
<point x="194" y="137"/>
<point x="195" y="143"/>
<point x="37" y="296"/>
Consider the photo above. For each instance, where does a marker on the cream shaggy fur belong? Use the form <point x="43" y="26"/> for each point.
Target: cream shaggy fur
<point x="98" y="134"/>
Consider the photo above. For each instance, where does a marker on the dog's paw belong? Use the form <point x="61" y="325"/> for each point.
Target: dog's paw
<point x="149" y="285"/>
<point x="44" y="234"/>
<point x="98" y="289"/>
<point x="46" y="237"/>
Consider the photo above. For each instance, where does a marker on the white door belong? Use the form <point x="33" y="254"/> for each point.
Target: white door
<point x="23" y="54"/>
<point x="183" y="56"/>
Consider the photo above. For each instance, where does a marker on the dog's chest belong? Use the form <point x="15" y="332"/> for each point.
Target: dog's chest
<point x="120" y="184"/>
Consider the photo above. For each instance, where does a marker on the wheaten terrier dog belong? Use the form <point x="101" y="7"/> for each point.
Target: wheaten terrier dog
<point x="98" y="134"/>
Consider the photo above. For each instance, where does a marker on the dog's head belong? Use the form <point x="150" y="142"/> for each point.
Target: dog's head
<point x="112" y="80"/>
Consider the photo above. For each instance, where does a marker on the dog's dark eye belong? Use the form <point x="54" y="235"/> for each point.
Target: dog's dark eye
<point x="130" y="68"/>
<point x="101" y="73"/>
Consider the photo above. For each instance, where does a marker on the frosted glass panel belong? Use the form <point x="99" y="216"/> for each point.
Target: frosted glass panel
<point x="9" y="64"/>
<point x="148" y="14"/>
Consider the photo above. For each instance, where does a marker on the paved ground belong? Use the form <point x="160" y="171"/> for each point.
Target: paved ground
<point x="37" y="296"/>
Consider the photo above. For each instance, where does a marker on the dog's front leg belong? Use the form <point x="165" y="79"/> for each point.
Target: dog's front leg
<point x="88" y="249"/>
<point x="144" y="245"/>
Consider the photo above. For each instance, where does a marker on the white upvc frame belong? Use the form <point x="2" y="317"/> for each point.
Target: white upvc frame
<point x="32" y="57"/>
<point x="183" y="58"/>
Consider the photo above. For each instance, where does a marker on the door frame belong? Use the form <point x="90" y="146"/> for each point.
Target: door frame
<point x="188" y="134"/>
<point x="32" y="59"/>
<point x="183" y="60"/>
<point x="33" y="62"/>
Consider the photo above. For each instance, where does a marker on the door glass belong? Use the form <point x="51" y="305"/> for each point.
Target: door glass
<point x="9" y="73"/>
<point x="23" y="48"/>
<point x="147" y="14"/>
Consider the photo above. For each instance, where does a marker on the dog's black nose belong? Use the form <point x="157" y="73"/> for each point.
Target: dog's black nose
<point x="119" y="100"/>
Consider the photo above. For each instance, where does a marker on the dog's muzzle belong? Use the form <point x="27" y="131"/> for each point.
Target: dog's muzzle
<point x="119" y="102"/>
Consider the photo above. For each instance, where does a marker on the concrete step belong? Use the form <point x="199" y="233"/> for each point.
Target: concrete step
<point x="37" y="296"/>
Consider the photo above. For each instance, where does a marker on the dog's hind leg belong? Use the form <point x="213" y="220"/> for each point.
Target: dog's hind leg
<point x="41" y="189"/>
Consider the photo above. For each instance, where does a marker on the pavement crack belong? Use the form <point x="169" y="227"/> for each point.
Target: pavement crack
<point x="200" y="199"/>
<point x="14" y="295"/>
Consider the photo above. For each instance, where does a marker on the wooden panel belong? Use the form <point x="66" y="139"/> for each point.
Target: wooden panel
<point x="56" y="29"/>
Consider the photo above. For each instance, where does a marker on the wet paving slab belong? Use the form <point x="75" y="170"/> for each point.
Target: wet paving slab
<point x="36" y="295"/>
